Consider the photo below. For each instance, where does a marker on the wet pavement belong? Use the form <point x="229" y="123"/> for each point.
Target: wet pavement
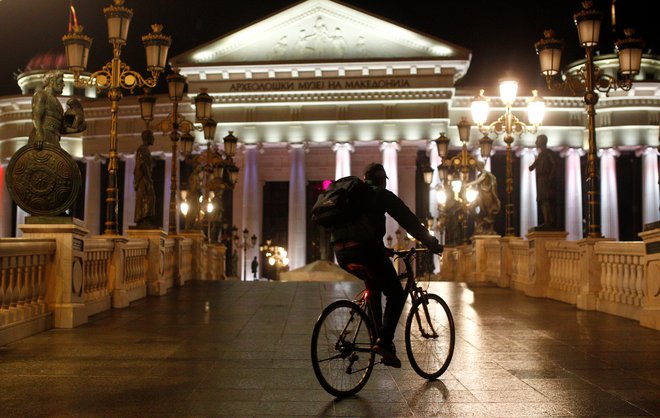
<point x="249" y="356"/>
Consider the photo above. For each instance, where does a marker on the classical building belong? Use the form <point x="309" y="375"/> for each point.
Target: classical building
<point x="321" y="89"/>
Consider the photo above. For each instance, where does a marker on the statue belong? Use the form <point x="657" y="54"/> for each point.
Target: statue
<point x="546" y="183"/>
<point x="143" y="184"/>
<point x="42" y="178"/>
<point x="452" y="215"/>
<point x="487" y="201"/>
<point x="48" y="117"/>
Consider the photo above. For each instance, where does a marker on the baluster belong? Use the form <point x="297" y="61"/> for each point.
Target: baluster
<point x="4" y="282"/>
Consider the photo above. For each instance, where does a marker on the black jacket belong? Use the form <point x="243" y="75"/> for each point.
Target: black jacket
<point x="372" y="226"/>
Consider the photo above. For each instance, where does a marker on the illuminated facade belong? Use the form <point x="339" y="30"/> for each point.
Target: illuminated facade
<point x="321" y="89"/>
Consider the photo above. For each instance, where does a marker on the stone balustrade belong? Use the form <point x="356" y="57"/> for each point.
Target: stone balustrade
<point x="130" y="278"/>
<point x="95" y="290"/>
<point x="565" y="271"/>
<point x="522" y="268"/>
<point x="186" y="247"/>
<point x="168" y="259"/>
<point x="622" y="278"/>
<point x="23" y="267"/>
<point x="619" y="278"/>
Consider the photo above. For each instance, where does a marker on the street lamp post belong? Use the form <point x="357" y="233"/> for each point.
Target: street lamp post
<point x="590" y="80"/>
<point x="507" y="124"/>
<point x="180" y="130"/>
<point x="113" y="77"/>
<point x="454" y="172"/>
<point x="245" y="245"/>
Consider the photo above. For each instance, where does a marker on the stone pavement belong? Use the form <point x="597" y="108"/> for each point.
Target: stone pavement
<point x="249" y="356"/>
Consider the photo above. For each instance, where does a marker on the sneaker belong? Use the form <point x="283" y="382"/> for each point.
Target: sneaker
<point x="388" y="352"/>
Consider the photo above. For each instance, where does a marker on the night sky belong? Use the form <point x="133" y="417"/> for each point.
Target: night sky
<point x="500" y="34"/>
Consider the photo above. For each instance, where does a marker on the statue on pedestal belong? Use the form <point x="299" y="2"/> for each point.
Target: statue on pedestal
<point x="42" y="178"/>
<point x="487" y="201"/>
<point x="143" y="184"/>
<point x="546" y="183"/>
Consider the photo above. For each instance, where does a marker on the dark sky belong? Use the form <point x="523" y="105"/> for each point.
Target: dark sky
<point x="500" y="34"/>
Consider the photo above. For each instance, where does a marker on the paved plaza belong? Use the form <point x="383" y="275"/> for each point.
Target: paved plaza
<point x="249" y="356"/>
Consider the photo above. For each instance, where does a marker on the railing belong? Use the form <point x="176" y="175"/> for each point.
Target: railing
<point x="23" y="267"/>
<point x="168" y="247"/>
<point x="97" y="256"/>
<point x="131" y="273"/>
<point x="185" y="260"/>
<point x="622" y="278"/>
<point x="522" y="268"/>
<point x="493" y="259"/>
<point x="565" y="280"/>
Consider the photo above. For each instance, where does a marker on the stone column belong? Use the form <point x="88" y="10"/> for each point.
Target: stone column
<point x="539" y="284"/>
<point x="609" y="205"/>
<point x="297" y="208"/>
<point x="167" y="183"/>
<point x="433" y="198"/>
<point x="93" y="194"/>
<point x="5" y="205"/>
<point x="252" y="201"/>
<point x="391" y="164"/>
<point x="573" y="193"/>
<point x="128" y="215"/>
<point x="650" y="195"/>
<point x="528" y="205"/>
<point x="342" y="159"/>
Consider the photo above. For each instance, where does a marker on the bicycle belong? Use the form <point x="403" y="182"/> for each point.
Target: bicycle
<point x="344" y="336"/>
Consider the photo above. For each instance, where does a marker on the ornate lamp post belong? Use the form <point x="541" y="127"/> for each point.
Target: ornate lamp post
<point x="113" y="77"/>
<point x="589" y="80"/>
<point x="180" y="130"/>
<point x="506" y="124"/>
<point x="455" y="171"/>
<point x="214" y="171"/>
<point x="245" y="245"/>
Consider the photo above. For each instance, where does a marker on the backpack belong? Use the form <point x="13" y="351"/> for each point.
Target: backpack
<point x="343" y="202"/>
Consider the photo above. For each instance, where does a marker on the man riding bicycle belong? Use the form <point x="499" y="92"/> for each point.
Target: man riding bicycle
<point x="360" y="251"/>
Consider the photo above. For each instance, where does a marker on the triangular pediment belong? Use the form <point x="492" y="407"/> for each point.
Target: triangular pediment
<point x="320" y="30"/>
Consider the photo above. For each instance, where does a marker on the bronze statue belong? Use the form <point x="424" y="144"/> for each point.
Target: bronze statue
<point x="487" y="201"/>
<point x="42" y="178"/>
<point x="143" y="184"/>
<point x="48" y="117"/>
<point x="546" y="183"/>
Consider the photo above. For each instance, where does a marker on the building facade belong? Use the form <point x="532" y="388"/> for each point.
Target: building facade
<point x="321" y="89"/>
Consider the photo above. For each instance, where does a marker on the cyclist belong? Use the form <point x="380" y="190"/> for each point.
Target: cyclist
<point x="359" y="249"/>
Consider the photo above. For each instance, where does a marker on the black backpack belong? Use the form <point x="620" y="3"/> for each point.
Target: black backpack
<point x="342" y="203"/>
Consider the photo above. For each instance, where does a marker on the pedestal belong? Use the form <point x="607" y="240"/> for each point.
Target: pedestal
<point x="156" y="237"/>
<point x="539" y="284"/>
<point x="198" y="238"/>
<point x="650" y="315"/>
<point x="64" y="284"/>
<point x="506" y="263"/>
<point x="213" y="261"/>
<point x="482" y="261"/>
<point x="590" y="274"/>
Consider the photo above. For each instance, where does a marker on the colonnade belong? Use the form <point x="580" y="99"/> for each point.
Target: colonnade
<point x="251" y="185"/>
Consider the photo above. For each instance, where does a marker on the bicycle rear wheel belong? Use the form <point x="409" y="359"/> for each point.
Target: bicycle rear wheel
<point x="341" y="348"/>
<point x="430" y="336"/>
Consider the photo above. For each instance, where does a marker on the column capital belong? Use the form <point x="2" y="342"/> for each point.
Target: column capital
<point x="611" y="152"/>
<point x="94" y="158"/>
<point x="337" y="146"/>
<point x="526" y="151"/>
<point x="395" y="145"/>
<point x="298" y="145"/>
<point x="259" y="146"/>
<point x="646" y="150"/>
<point x="125" y="157"/>
<point x="567" y="152"/>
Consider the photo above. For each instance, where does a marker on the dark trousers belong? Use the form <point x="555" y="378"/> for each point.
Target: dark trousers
<point x="369" y="263"/>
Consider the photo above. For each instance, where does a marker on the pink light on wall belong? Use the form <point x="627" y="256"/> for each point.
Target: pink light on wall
<point x="326" y="184"/>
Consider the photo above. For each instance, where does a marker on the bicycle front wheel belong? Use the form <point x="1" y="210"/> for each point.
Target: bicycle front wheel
<point x="430" y="336"/>
<point x="342" y="357"/>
